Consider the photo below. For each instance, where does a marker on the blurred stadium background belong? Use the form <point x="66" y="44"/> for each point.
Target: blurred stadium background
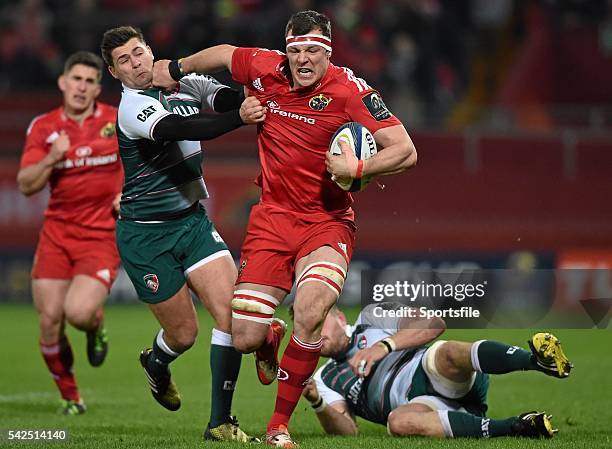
<point x="509" y="104"/>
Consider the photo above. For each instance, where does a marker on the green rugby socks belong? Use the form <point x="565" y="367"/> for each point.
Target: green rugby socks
<point x="493" y="357"/>
<point x="161" y="356"/>
<point x="461" y="424"/>
<point x="225" y="367"/>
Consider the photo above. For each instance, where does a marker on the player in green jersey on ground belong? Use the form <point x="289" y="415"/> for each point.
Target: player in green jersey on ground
<point x="386" y="371"/>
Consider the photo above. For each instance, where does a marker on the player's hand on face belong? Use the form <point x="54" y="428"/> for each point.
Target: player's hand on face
<point x="60" y="146"/>
<point x="362" y="362"/>
<point x="161" y="75"/>
<point x="342" y="166"/>
<point x="252" y="111"/>
<point x="310" y="391"/>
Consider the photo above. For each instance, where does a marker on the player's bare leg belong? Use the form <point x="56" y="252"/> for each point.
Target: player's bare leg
<point x="84" y="310"/>
<point x="320" y="276"/>
<point x="415" y="419"/>
<point x="418" y="419"/>
<point x="213" y="283"/>
<point x="178" y="319"/>
<point x="49" y="296"/>
<point x="254" y="328"/>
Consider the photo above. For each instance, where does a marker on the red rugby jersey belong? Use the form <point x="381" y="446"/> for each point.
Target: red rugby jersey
<point x="84" y="183"/>
<point x="296" y="134"/>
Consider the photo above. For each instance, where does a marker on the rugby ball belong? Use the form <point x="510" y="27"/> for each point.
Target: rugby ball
<point x="361" y="141"/>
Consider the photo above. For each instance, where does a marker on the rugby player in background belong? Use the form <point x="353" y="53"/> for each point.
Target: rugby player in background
<point x="73" y="149"/>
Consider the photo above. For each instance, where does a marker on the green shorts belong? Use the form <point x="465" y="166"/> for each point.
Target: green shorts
<point x="158" y="256"/>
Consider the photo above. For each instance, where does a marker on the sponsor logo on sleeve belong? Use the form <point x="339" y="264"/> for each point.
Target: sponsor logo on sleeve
<point x="375" y="104"/>
<point x="146" y="113"/>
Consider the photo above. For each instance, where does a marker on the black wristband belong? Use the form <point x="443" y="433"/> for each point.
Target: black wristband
<point x="175" y="70"/>
<point x="318" y="403"/>
<point x="386" y="345"/>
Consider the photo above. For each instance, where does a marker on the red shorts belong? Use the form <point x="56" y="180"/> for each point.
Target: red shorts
<point x="276" y="239"/>
<point x="66" y="249"/>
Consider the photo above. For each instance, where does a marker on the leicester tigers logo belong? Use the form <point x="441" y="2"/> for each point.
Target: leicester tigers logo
<point x="319" y="102"/>
<point x="151" y="281"/>
<point x="362" y="342"/>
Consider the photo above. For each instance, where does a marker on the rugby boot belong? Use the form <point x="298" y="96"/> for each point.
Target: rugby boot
<point x="228" y="431"/>
<point x="280" y="437"/>
<point x="266" y="357"/>
<point x="97" y="345"/>
<point x="163" y="388"/>
<point x="549" y="355"/>
<point x="72" y="407"/>
<point x="534" y="425"/>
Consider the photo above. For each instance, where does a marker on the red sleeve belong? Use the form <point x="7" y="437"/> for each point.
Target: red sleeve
<point x="35" y="148"/>
<point x="369" y="109"/>
<point x="241" y="63"/>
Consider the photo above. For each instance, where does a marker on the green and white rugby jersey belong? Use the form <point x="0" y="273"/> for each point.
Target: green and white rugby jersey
<point x="161" y="178"/>
<point x="387" y="387"/>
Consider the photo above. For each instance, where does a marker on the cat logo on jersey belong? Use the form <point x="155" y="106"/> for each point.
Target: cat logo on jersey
<point x="319" y="102"/>
<point x="108" y="130"/>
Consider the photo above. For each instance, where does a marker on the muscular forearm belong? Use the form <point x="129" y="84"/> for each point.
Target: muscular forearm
<point x="33" y="178"/>
<point x="397" y="154"/>
<point x="336" y="423"/>
<point x="209" y="60"/>
<point x="417" y="332"/>
<point x="391" y="160"/>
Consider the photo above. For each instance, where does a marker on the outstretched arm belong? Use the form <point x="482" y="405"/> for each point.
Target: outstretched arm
<point x="209" y="60"/>
<point x="174" y="127"/>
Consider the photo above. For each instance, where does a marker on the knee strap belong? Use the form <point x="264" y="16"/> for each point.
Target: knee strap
<point x="254" y="306"/>
<point x="330" y="274"/>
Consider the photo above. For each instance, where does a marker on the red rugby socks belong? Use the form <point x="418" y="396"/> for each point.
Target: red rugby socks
<point x="297" y="365"/>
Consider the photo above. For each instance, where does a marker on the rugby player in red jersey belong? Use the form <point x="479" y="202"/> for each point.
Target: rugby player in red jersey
<point x="74" y="150"/>
<point x="302" y="230"/>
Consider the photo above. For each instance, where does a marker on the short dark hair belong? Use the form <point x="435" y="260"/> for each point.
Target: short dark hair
<point x="85" y="58"/>
<point x="304" y="22"/>
<point x="116" y="37"/>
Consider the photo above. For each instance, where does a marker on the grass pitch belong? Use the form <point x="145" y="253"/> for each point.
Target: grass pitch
<point x="122" y="414"/>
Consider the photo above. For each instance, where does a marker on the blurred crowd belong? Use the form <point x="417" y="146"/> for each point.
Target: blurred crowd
<point x="417" y="52"/>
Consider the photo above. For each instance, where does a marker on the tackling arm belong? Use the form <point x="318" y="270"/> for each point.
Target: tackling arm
<point x="412" y="333"/>
<point x="174" y="127"/>
<point x="209" y="60"/>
